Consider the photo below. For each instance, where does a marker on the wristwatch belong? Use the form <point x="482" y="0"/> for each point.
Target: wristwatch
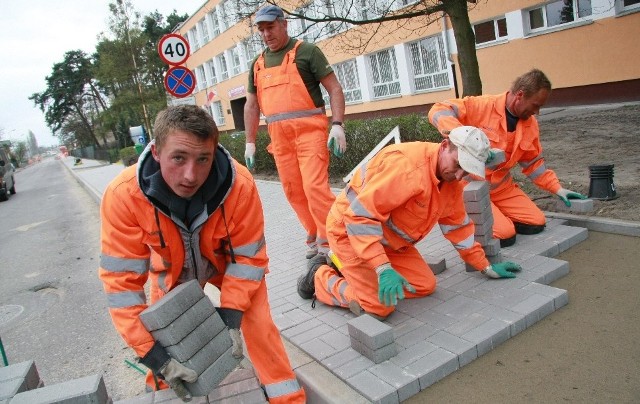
<point x="337" y="123"/>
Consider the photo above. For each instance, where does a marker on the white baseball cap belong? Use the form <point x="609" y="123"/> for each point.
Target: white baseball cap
<point x="473" y="149"/>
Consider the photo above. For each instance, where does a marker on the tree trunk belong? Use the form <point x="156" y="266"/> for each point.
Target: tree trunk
<point x="466" y="43"/>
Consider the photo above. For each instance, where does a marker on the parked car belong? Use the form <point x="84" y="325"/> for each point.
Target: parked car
<point x="7" y="181"/>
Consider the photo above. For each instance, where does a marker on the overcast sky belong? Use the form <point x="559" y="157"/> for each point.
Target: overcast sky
<point x="35" y="35"/>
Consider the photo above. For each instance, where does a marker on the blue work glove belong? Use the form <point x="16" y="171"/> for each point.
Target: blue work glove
<point x="502" y="270"/>
<point x="337" y="141"/>
<point x="250" y="155"/>
<point x="391" y="285"/>
<point x="565" y="195"/>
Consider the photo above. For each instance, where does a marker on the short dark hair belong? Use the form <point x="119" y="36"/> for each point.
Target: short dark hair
<point x="531" y="82"/>
<point x="186" y="118"/>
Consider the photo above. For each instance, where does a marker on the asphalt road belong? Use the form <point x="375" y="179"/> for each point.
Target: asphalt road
<point x="52" y="305"/>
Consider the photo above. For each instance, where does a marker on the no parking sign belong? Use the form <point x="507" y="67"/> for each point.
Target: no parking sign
<point x="179" y="81"/>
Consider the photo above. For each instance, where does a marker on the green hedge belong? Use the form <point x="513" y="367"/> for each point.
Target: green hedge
<point x="362" y="137"/>
<point x="129" y="156"/>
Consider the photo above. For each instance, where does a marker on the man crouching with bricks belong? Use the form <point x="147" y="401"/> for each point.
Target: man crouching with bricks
<point x="389" y="205"/>
<point x="187" y="210"/>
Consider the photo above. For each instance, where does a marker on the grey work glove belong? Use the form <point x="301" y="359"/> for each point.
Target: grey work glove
<point x="565" y="195"/>
<point x="232" y="318"/>
<point x="176" y="374"/>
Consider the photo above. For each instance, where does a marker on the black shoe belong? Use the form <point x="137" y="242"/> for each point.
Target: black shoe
<point x="507" y="242"/>
<point x="522" y="228"/>
<point x="306" y="286"/>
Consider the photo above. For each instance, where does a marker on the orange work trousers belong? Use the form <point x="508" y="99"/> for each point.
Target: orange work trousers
<point x="360" y="283"/>
<point x="510" y="204"/>
<point x="266" y="352"/>
<point x="299" y="147"/>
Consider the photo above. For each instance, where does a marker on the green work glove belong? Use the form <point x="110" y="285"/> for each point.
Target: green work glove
<point x="490" y="157"/>
<point x="337" y="141"/>
<point x="502" y="270"/>
<point x="176" y="374"/>
<point x="391" y="285"/>
<point x="250" y="155"/>
<point x="565" y="195"/>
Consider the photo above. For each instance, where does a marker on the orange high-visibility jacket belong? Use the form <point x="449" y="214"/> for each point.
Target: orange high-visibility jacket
<point x="140" y="242"/>
<point x="394" y="201"/>
<point x="522" y="147"/>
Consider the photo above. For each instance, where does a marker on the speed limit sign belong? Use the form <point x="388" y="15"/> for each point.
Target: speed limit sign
<point x="173" y="49"/>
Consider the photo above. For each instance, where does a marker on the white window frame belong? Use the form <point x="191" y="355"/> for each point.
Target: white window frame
<point x="217" y="112"/>
<point x="496" y="31"/>
<point x="210" y="72"/>
<point x="215" y="23"/>
<point x="201" y="82"/>
<point x="251" y="47"/>
<point x="194" y="40"/>
<point x="432" y="70"/>
<point x="236" y="63"/>
<point x="621" y="9"/>
<point x="203" y="27"/>
<point x="545" y="9"/>
<point x="225" y="20"/>
<point x="222" y="67"/>
<point x="347" y="74"/>
<point x="378" y="83"/>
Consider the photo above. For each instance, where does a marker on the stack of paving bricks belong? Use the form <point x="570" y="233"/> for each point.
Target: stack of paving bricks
<point x="372" y="338"/>
<point x="478" y="206"/>
<point x="89" y="389"/>
<point x="186" y="324"/>
<point x="17" y="378"/>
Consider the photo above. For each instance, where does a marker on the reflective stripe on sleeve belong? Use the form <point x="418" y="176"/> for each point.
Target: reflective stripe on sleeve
<point x="465" y="244"/>
<point x="537" y="172"/>
<point x="364" y="230"/>
<point x="114" y="264"/>
<point x="525" y="164"/>
<point x="502" y="181"/>
<point x="449" y="228"/>
<point x="121" y="300"/>
<point x="247" y="272"/>
<point x="250" y="250"/>
<point x="399" y="232"/>
<point x="445" y="112"/>
<point x="282" y="388"/>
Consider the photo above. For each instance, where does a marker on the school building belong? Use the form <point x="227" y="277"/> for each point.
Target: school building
<point x="589" y="49"/>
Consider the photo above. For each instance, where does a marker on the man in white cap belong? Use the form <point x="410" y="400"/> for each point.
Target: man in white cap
<point x="284" y="84"/>
<point x="389" y="206"/>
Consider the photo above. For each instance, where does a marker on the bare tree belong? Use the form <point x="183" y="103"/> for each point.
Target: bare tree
<point x="352" y="26"/>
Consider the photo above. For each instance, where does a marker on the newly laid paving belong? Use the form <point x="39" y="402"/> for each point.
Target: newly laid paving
<point x="466" y="317"/>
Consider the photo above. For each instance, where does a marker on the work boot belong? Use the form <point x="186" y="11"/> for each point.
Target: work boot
<point x="306" y="285"/>
<point x="312" y="252"/>
<point x="359" y="311"/>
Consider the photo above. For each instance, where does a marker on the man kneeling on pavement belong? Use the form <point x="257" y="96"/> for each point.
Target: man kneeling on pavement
<point x="389" y="205"/>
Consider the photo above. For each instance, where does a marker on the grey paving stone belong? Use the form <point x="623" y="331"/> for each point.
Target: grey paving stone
<point x="517" y="321"/>
<point x="89" y="389"/>
<point x="492" y="247"/>
<point x="374" y="389"/>
<point x="577" y="206"/>
<point x="372" y="333"/>
<point x="340" y="358"/>
<point x="475" y="190"/>
<point x="433" y="367"/>
<point x="484" y="229"/>
<point x="182" y="326"/>
<point x="488" y="335"/>
<point x="229" y="390"/>
<point x="414" y="336"/>
<point x="404" y="382"/>
<point x="318" y="349"/>
<point x="351" y="368"/>
<point x="535" y="308"/>
<point x="377" y="355"/>
<point x="463" y="349"/>
<point x="405" y="357"/>
<point x="312" y="334"/>
<point x="477" y="206"/>
<point x="171" y="306"/>
<point x="18" y="377"/>
<point x="481" y="218"/>
<point x="437" y="265"/>
<point x="196" y="339"/>
<point x="336" y="340"/>
<point x="213" y="375"/>
<point x="205" y="357"/>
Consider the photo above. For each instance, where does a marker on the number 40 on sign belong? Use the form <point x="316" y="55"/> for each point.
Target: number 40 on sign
<point x="173" y="49"/>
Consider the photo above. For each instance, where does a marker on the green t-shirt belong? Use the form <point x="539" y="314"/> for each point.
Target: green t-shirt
<point x="311" y="62"/>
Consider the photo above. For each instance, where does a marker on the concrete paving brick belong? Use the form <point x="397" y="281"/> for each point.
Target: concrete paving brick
<point x="488" y="335"/>
<point x="405" y="357"/>
<point x="413" y="307"/>
<point x="336" y="340"/>
<point x="413" y="337"/>
<point x="406" y="326"/>
<point x="333" y="319"/>
<point x="312" y="334"/>
<point x="375" y="355"/>
<point x="302" y="327"/>
<point x="535" y="308"/>
<point x="436" y="264"/>
<point x="372" y="333"/>
<point x="477" y="206"/>
<point x="206" y="356"/>
<point x="376" y="390"/>
<point x="185" y="323"/>
<point x="439" y="321"/>
<point x="255" y="396"/>
<point x="483" y="239"/>
<point x="466" y="324"/>
<point x="577" y="206"/>
<point x="459" y="307"/>
<point x="480" y="218"/>
<point x="89" y="389"/>
<point x="340" y="358"/>
<point x="475" y="190"/>
<point x="484" y="229"/>
<point x="433" y="367"/>
<point x="297" y="316"/>
<point x="171" y="306"/>
<point x="560" y="296"/>
<point x="517" y="321"/>
<point x="492" y="247"/>
<point x="405" y="383"/>
<point x="213" y="375"/>
<point x="318" y="349"/>
<point x="18" y="377"/>
<point x="463" y="349"/>
<point x="351" y="368"/>
<point x="229" y="390"/>
<point x="321" y="386"/>
<point x="575" y="236"/>
<point x="197" y="339"/>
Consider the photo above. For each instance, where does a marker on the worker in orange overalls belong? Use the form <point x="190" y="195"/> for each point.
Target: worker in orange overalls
<point x="187" y="210"/>
<point x="508" y="121"/>
<point x="389" y="206"/>
<point x="284" y="83"/>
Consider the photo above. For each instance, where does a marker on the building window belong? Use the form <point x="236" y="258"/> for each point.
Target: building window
<point x="194" y="40"/>
<point x="222" y="66"/>
<point x="627" y="5"/>
<point x="429" y="64"/>
<point x="347" y="73"/>
<point x="490" y="31"/>
<point x="225" y="20"/>
<point x="384" y="72"/>
<point x="215" y="23"/>
<point x="251" y="47"/>
<point x="217" y="113"/>
<point x="557" y="13"/>
<point x="236" y="66"/>
<point x="201" y="83"/>
<point x="204" y="31"/>
<point x="210" y="72"/>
